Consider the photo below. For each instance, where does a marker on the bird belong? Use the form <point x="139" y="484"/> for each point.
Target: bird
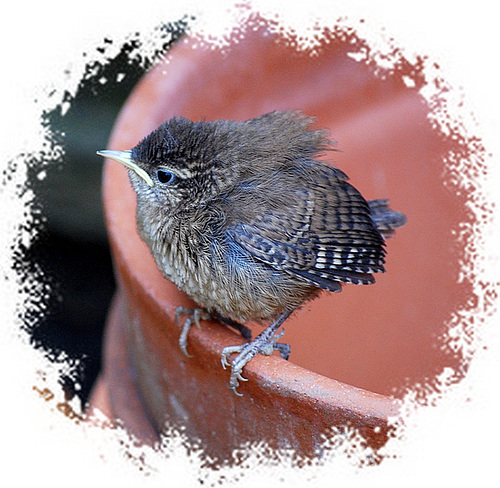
<point x="245" y="218"/>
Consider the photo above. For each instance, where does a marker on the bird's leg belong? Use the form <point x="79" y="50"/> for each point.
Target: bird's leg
<point x="245" y="332"/>
<point x="194" y="315"/>
<point x="265" y="343"/>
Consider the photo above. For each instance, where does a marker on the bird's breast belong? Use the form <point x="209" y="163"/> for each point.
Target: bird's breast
<point x="241" y="289"/>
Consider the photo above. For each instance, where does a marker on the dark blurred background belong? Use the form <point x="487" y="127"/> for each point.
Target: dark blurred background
<point x="71" y="254"/>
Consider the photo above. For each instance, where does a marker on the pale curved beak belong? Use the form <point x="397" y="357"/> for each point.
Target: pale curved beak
<point x="125" y="158"/>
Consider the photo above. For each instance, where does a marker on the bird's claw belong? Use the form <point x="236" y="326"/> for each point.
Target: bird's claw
<point x="227" y="351"/>
<point x="246" y="352"/>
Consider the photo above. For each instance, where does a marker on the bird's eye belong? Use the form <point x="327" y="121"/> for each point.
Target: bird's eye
<point x="165" y="177"/>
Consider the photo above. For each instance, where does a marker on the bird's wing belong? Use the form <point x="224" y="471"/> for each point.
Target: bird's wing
<point x="324" y="236"/>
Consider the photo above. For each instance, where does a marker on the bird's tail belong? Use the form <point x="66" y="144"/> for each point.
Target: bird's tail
<point x="385" y="219"/>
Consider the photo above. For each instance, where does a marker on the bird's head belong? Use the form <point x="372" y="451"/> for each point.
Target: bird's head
<point x="175" y="166"/>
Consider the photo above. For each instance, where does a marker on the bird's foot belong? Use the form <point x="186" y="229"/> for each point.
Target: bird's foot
<point x="265" y="343"/>
<point x="194" y="315"/>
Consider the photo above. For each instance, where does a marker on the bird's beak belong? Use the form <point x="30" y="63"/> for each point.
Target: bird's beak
<point x="125" y="158"/>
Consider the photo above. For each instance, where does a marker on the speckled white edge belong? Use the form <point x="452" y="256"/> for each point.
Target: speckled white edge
<point x="448" y="442"/>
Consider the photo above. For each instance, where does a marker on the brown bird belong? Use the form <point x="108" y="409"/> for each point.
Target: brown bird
<point x="243" y="218"/>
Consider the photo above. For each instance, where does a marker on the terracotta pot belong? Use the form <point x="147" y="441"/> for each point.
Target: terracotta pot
<point x="352" y="352"/>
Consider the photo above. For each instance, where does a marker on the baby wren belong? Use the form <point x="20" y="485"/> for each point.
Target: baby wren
<point x="243" y="218"/>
